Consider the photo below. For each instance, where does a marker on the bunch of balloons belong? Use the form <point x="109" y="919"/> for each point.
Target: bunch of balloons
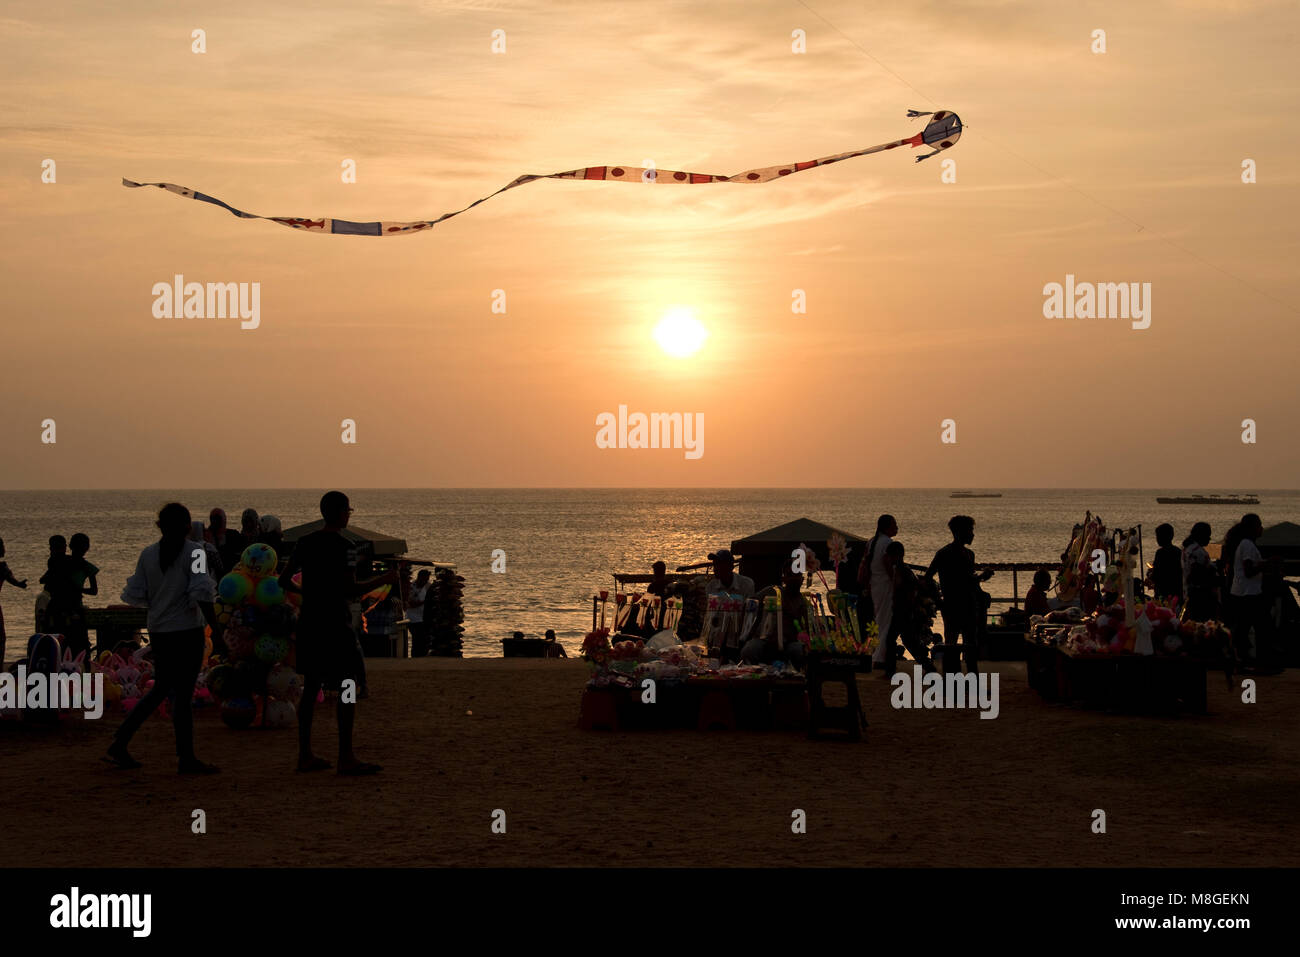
<point x="255" y="677"/>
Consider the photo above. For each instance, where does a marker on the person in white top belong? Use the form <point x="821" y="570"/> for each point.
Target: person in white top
<point x="1251" y="608"/>
<point x="875" y="575"/>
<point x="725" y="580"/>
<point x="415" y="614"/>
<point x="171" y="580"/>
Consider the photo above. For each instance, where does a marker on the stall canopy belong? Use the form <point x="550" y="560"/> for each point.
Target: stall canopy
<point x="377" y="543"/>
<point x="763" y="554"/>
<point x="1282" y="541"/>
<point x="1284" y="535"/>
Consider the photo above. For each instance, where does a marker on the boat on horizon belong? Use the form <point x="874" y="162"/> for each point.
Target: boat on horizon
<point x="1208" y="499"/>
<point x="965" y="493"/>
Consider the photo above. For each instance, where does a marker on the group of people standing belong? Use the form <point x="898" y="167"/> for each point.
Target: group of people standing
<point x="1240" y="589"/>
<point x="179" y="594"/>
<point x="903" y="604"/>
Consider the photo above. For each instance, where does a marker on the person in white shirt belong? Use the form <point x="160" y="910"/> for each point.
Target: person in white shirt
<point x="1251" y="608"/>
<point x="172" y="582"/>
<point x="874" y="574"/>
<point x="415" y="615"/>
<point x="725" y="580"/>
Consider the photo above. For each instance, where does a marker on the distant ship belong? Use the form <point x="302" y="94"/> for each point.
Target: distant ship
<point x="1208" y="499"/>
<point x="965" y="494"/>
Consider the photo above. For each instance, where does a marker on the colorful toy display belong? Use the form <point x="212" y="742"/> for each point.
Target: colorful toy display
<point x="254" y="681"/>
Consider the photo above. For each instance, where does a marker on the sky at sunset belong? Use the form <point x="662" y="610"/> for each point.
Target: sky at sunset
<point x="924" y="298"/>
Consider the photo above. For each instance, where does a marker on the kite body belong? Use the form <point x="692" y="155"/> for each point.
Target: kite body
<point x="941" y="132"/>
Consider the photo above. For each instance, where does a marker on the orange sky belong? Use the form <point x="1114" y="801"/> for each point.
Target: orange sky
<point x="924" y="299"/>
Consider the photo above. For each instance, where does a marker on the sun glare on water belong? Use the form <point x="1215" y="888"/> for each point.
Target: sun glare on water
<point x="680" y="334"/>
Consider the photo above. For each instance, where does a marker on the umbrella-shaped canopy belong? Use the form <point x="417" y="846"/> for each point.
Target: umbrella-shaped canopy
<point x="379" y="544"/>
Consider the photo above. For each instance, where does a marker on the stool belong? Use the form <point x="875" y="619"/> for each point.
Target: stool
<point x="847" y="718"/>
<point x="598" y="711"/>
<point x="716" y="711"/>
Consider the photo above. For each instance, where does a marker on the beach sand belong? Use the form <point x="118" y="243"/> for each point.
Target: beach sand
<point x="924" y="788"/>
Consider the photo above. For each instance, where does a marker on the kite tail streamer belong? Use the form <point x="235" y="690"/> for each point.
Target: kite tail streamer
<point x="941" y="133"/>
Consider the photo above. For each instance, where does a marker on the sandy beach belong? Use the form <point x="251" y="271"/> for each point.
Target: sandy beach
<point x="925" y="788"/>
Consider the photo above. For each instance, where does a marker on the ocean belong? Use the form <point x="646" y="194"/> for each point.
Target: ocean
<point x="563" y="545"/>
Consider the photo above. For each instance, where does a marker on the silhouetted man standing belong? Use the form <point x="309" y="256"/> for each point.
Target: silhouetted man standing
<point x="962" y="597"/>
<point x="328" y="653"/>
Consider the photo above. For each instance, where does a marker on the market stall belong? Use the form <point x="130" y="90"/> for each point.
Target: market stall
<point x="688" y="672"/>
<point x="1127" y="654"/>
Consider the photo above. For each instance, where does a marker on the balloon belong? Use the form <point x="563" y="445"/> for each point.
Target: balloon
<point x="238" y="713"/>
<point x="235" y="588"/>
<point x="258" y="559"/>
<point x="268" y="593"/>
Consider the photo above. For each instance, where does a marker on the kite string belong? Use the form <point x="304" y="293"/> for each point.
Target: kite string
<point x="1057" y="179"/>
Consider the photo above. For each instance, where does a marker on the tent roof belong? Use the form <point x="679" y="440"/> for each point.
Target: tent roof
<point x="383" y="545"/>
<point x="1284" y="534"/>
<point x="800" y="530"/>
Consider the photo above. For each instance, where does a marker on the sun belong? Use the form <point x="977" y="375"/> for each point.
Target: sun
<point x="680" y="334"/>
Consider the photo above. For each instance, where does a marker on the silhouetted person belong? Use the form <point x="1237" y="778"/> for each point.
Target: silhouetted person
<point x="210" y="554"/>
<point x="661" y="587"/>
<point x="876" y="598"/>
<point x="725" y="579"/>
<point x="1250" y="604"/>
<point x="249" y="526"/>
<point x="1167" y="567"/>
<point x="1200" y="579"/>
<point x="416" y="601"/>
<point x="6" y="576"/>
<point x="907" y="616"/>
<point x="271" y="533"/>
<point x="553" y="648"/>
<point x="179" y="600"/>
<point x="82" y="581"/>
<point x="765" y="650"/>
<point x="58" y="584"/>
<point x="1036" y="598"/>
<point x="328" y="654"/>
<point x="230" y="544"/>
<point x="962" y="597"/>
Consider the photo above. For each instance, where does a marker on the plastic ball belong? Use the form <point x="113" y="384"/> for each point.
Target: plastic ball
<point x="271" y="649"/>
<point x="240" y="642"/>
<point x="128" y="704"/>
<point x="258" y="559"/>
<point x="268" y="593"/>
<point x="277" y="620"/>
<point x="235" y="588"/>
<point x="238" y="713"/>
<point x="278" y="714"/>
<point x="283" y="682"/>
<point x="218" y="681"/>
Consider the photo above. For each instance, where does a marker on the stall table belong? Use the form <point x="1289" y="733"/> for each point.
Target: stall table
<point x="704" y="703"/>
<point x="1125" y="682"/>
